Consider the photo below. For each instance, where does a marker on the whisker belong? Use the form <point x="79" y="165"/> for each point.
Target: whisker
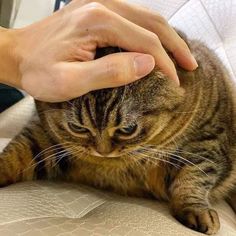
<point x="43" y="160"/>
<point x="181" y="161"/>
<point x="159" y="159"/>
<point x="181" y="151"/>
<point x="50" y="149"/>
<point x="175" y="157"/>
<point x="194" y="154"/>
<point x="60" y="155"/>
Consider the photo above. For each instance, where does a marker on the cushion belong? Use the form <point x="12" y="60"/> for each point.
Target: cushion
<point x="45" y="208"/>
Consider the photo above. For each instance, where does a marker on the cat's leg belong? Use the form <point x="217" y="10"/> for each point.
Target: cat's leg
<point x="20" y="161"/>
<point x="194" y="183"/>
<point x="231" y="197"/>
<point x="189" y="202"/>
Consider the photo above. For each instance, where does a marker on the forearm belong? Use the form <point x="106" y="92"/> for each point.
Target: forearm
<point x="9" y="58"/>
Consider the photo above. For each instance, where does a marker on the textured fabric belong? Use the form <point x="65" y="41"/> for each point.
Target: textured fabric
<point x="42" y="208"/>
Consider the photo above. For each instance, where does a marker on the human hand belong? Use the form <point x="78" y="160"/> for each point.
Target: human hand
<point x="56" y="54"/>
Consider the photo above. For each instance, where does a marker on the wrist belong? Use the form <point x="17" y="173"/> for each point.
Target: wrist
<point x="10" y="58"/>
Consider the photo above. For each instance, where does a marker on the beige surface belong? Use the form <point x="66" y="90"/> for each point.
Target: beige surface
<point x="113" y="215"/>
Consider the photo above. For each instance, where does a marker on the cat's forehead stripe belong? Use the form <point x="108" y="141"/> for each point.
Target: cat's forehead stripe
<point x="79" y="115"/>
<point x="112" y="105"/>
<point x="99" y="105"/>
<point x="90" y="111"/>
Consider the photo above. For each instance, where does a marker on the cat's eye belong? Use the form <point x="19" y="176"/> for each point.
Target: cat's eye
<point x="128" y="130"/>
<point x="76" y="128"/>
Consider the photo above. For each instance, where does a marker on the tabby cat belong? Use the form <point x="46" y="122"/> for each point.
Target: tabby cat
<point x="149" y="138"/>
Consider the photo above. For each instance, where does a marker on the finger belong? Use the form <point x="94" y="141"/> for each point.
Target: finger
<point x="177" y="46"/>
<point x="151" y="21"/>
<point x="154" y="22"/>
<point x="113" y="30"/>
<point x="138" y="39"/>
<point x="110" y="71"/>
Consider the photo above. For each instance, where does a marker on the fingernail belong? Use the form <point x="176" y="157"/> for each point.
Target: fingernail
<point x="143" y="65"/>
<point x="194" y="62"/>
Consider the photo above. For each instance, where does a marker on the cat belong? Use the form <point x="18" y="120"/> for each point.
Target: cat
<point x="151" y="138"/>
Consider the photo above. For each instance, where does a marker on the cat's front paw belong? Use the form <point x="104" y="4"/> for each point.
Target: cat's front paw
<point x="202" y="220"/>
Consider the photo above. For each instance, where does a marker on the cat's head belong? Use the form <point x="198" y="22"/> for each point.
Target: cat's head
<point x="113" y="122"/>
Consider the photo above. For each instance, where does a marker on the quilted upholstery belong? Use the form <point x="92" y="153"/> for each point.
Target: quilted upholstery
<point x="42" y="208"/>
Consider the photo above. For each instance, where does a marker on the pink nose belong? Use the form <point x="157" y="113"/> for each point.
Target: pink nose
<point x="104" y="150"/>
<point x="101" y="154"/>
<point x="104" y="154"/>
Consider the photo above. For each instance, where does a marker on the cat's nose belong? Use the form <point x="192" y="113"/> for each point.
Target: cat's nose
<point x="100" y="154"/>
<point x="95" y="153"/>
<point x="104" y="148"/>
<point x="110" y="154"/>
<point x="104" y="153"/>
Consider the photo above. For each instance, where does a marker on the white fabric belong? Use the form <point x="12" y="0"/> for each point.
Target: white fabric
<point x="42" y="208"/>
<point x="32" y="11"/>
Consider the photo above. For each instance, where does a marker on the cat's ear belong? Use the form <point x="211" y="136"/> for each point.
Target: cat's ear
<point x="155" y="92"/>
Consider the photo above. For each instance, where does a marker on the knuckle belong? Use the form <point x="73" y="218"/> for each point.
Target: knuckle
<point x="155" y="41"/>
<point x="95" y="12"/>
<point x="95" y="5"/>
<point x="180" y="45"/>
<point x="96" y="8"/>
<point x="154" y="37"/>
<point x="183" y="44"/>
<point x="86" y="2"/>
<point x="101" y="2"/>
<point x="162" y="20"/>
<point x="112" y="71"/>
<point x="119" y="73"/>
<point x="161" y="24"/>
<point x="90" y="14"/>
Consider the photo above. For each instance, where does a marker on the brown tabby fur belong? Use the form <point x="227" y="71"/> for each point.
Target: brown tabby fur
<point x="183" y="151"/>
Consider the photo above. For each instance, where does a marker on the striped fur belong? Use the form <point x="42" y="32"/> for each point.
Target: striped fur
<point x="149" y="138"/>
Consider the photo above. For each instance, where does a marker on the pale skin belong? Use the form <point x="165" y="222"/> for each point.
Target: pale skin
<point x="53" y="59"/>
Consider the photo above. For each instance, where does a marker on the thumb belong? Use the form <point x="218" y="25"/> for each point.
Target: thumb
<point x="112" y="70"/>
